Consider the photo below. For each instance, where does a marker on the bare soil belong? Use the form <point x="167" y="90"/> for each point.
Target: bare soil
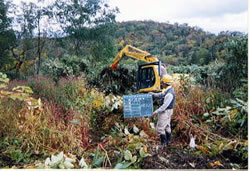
<point x="175" y="156"/>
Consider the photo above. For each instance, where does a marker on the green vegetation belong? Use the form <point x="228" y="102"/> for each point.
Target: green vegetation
<point x="61" y="104"/>
<point x="176" y="44"/>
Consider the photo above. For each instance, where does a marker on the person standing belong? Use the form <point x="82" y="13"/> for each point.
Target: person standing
<point x="165" y="111"/>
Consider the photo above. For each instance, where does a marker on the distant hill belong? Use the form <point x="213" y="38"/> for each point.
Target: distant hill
<point x="173" y="43"/>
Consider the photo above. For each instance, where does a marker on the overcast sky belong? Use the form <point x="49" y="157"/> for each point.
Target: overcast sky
<point x="210" y="15"/>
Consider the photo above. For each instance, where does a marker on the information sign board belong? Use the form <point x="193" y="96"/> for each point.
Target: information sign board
<point x="139" y="105"/>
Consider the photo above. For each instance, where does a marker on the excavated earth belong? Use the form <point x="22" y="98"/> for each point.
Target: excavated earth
<point x="173" y="158"/>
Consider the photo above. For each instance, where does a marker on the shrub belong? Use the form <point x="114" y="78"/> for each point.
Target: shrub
<point x="69" y="92"/>
<point x="40" y="128"/>
<point x="44" y="88"/>
<point x="67" y="66"/>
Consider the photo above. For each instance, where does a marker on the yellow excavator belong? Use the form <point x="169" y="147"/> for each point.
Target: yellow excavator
<point x="149" y="74"/>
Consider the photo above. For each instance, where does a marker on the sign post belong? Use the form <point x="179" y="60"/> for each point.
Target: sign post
<point x="139" y="105"/>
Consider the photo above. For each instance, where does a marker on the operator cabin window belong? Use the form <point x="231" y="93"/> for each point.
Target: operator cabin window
<point x="163" y="71"/>
<point x="147" y="77"/>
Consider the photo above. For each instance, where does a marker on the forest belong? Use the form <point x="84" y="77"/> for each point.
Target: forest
<point x="61" y="104"/>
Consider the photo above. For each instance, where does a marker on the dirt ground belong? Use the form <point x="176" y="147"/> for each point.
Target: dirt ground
<point x="176" y="157"/>
<point x="173" y="158"/>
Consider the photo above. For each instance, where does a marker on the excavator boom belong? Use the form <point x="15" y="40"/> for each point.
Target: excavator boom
<point x="134" y="53"/>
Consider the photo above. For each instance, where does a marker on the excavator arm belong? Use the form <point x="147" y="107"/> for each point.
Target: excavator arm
<point x="149" y="74"/>
<point x="134" y="53"/>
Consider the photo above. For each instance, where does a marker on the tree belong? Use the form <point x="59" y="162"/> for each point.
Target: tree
<point x="24" y="52"/>
<point x="235" y="71"/>
<point x="41" y="13"/>
<point x="85" y="21"/>
<point x="7" y="35"/>
<point x="5" y="20"/>
<point x="30" y="38"/>
<point x="204" y="56"/>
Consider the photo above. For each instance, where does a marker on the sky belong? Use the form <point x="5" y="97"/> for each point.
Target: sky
<point x="211" y="15"/>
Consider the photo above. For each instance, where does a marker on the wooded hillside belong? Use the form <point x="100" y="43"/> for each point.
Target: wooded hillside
<point x="174" y="43"/>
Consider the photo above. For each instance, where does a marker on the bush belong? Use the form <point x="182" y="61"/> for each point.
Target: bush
<point x="120" y="81"/>
<point x="236" y="63"/>
<point x="72" y="95"/>
<point x="40" y="127"/>
<point x="44" y="88"/>
<point x="68" y="92"/>
<point x="67" y="66"/>
<point x="43" y="132"/>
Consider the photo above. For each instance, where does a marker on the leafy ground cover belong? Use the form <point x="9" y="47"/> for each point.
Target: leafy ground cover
<point x="71" y="125"/>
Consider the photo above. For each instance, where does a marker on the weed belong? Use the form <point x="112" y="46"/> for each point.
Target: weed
<point x="44" y="88"/>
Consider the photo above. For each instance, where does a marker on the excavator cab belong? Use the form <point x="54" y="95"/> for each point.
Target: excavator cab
<point x="148" y="77"/>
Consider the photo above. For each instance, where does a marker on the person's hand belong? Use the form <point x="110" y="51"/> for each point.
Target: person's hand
<point x="153" y="114"/>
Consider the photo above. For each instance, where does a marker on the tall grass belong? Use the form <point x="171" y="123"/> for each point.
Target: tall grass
<point x="63" y="124"/>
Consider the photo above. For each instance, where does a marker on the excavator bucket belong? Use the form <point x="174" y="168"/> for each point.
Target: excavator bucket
<point x="114" y="67"/>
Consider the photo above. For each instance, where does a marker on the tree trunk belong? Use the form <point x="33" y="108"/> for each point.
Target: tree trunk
<point x="39" y="47"/>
